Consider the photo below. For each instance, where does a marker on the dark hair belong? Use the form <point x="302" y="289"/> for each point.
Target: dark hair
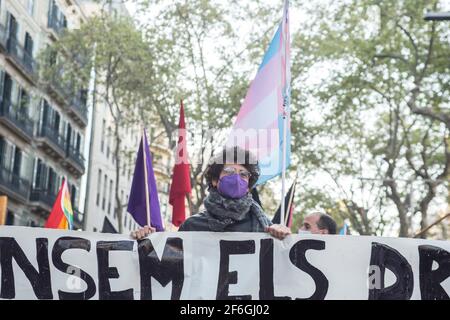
<point x="234" y="155"/>
<point x="327" y="222"/>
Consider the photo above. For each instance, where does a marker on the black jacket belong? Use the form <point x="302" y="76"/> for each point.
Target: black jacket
<point x="199" y="222"/>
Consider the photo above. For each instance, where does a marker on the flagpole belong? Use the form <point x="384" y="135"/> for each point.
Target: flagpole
<point x="283" y="155"/>
<point x="283" y="175"/>
<point x="291" y="199"/>
<point x="147" y="194"/>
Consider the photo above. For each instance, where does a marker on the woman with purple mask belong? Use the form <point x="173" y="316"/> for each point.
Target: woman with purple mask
<point x="229" y="206"/>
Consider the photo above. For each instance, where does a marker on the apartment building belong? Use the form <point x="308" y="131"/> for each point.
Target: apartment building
<point x="42" y="123"/>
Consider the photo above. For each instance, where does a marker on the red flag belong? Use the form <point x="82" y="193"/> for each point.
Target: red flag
<point x="181" y="183"/>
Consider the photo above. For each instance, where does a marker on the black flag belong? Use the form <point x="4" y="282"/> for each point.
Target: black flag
<point x="288" y="207"/>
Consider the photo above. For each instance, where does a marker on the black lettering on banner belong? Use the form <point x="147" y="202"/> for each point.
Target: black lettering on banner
<point x="384" y="257"/>
<point x="266" y="287"/>
<point x="298" y="258"/>
<point x="67" y="243"/>
<point x="430" y="280"/>
<point x="169" y="268"/>
<point x="105" y="272"/>
<point x="226" y="277"/>
<point x="40" y="280"/>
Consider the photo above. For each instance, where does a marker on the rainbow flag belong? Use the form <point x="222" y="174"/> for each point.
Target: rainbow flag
<point x="259" y="126"/>
<point x="61" y="216"/>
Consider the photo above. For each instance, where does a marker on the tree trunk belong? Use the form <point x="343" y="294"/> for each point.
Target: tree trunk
<point x="424" y="207"/>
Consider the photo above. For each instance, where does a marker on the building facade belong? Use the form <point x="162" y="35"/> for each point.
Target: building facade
<point x="42" y="124"/>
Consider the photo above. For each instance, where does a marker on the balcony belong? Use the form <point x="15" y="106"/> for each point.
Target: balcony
<point x="22" y="59"/>
<point x="56" y="26"/>
<point x="78" y="110"/>
<point x="51" y="142"/>
<point x="161" y="171"/>
<point x="13" y="185"/>
<point x="42" y="199"/>
<point x="57" y="89"/>
<point x="16" y="121"/>
<point x="74" y="161"/>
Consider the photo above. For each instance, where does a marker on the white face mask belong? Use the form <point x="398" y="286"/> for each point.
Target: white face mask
<point x="304" y="232"/>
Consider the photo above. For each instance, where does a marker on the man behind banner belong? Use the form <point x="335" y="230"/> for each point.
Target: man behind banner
<point x="318" y="223"/>
<point x="229" y="206"/>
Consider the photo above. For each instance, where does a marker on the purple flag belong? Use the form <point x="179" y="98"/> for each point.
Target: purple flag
<point x="137" y="203"/>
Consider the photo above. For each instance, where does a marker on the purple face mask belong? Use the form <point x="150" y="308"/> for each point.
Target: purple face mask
<point x="233" y="186"/>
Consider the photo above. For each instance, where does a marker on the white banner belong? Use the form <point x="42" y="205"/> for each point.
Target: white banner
<point x="51" y="264"/>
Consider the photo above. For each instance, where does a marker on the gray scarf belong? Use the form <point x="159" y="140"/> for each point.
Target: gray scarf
<point x="222" y="212"/>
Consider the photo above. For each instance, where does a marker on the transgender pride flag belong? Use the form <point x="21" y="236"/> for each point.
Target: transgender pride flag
<point x="259" y="126"/>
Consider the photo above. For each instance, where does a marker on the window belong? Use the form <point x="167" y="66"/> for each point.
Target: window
<point x="39" y="174"/>
<point x="2" y="148"/>
<point x="102" y="143"/>
<point x="44" y="114"/>
<point x="78" y="143"/>
<point x="63" y="20"/>
<point x="108" y="143"/>
<point x="56" y="122"/>
<point x="53" y="14"/>
<point x="11" y="159"/>
<point x="105" y="184"/>
<point x="84" y="96"/>
<point x="7" y="155"/>
<point x="13" y="29"/>
<point x="15" y="94"/>
<point x="110" y="197"/>
<point x="52" y="182"/>
<point x="7" y="88"/>
<point x="30" y="7"/>
<point x="26" y="168"/>
<point x="68" y="134"/>
<point x="10" y="218"/>
<point x="129" y="220"/>
<point x="73" y="196"/>
<point x="24" y="103"/>
<point x="124" y="213"/>
<point x="99" y="185"/>
<point x="28" y="53"/>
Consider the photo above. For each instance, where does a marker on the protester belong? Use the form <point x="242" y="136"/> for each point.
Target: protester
<point x="318" y="223"/>
<point x="229" y="206"/>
